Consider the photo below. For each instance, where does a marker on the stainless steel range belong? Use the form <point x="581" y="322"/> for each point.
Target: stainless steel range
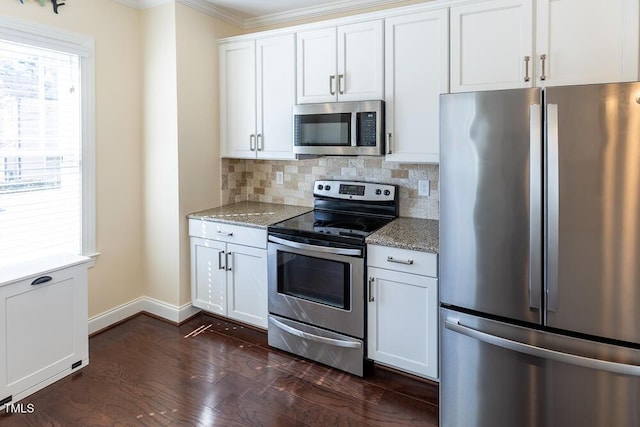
<point x="317" y="273"/>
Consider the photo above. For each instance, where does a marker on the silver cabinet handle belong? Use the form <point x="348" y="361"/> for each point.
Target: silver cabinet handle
<point x="553" y="206"/>
<point x="260" y="142"/>
<point x="340" y="81"/>
<point x="220" y="266"/>
<point x="252" y="142"/>
<point x="371" y="297"/>
<point x="544" y="353"/>
<point x="331" y="90"/>
<point x="400" y="261"/>
<point x="312" y="337"/>
<point x="535" y="208"/>
<point x="225" y="233"/>
<point x="389" y="151"/>
<point x="526" y="68"/>
<point x="543" y="58"/>
<point x="227" y="258"/>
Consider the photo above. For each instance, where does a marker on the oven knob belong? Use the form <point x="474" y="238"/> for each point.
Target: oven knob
<point x="378" y="192"/>
<point x="320" y="186"/>
<point x="327" y="187"/>
<point x="387" y="192"/>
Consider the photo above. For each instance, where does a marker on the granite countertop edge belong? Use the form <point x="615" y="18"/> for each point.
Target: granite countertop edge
<point x="414" y="234"/>
<point x="250" y="214"/>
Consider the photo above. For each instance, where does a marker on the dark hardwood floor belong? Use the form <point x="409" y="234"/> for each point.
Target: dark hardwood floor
<point x="210" y="372"/>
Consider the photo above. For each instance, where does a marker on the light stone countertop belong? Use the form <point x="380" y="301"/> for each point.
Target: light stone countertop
<point x="408" y="233"/>
<point x="251" y="214"/>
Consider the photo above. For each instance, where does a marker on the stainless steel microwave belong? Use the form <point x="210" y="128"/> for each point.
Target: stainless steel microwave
<point x="339" y="128"/>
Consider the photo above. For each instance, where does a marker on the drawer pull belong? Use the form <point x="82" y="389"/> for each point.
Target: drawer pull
<point x="400" y="261"/>
<point x="41" y="280"/>
<point x="224" y="233"/>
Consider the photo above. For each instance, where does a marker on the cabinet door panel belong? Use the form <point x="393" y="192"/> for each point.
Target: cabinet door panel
<point x="361" y="61"/>
<point x="587" y="42"/>
<point x="402" y="319"/>
<point x="238" y="99"/>
<point x="208" y="278"/>
<point x="489" y="42"/>
<point x="247" y="285"/>
<point x="276" y="96"/>
<point x="417" y="72"/>
<point x="316" y="59"/>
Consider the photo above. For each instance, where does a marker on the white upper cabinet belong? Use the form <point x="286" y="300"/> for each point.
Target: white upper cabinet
<point x="576" y="42"/>
<point x="257" y="93"/>
<point x="593" y="41"/>
<point x="416" y="73"/>
<point x="491" y="45"/>
<point x="344" y="63"/>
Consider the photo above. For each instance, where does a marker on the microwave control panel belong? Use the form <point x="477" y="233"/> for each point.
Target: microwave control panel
<point x="367" y="129"/>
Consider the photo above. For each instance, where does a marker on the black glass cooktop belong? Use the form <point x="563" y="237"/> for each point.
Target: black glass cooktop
<point x="321" y="224"/>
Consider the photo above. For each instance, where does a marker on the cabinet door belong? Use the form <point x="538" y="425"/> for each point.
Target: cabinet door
<point x="490" y="44"/>
<point x="593" y="41"/>
<point x="316" y="70"/>
<point x="403" y="321"/>
<point x="360" y="61"/>
<point x="238" y="99"/>
<point x="208" y="276"/>
<point x="43" y="331"/>
<point x="417" y="72"/>
<point x="276" y="96"/>
<point x="247" y="285"/>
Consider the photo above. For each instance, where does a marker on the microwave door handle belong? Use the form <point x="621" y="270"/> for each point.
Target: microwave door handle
<point x="354" y="129"/>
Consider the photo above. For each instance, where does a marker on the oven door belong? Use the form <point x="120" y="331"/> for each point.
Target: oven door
<point x="321" y="286"/>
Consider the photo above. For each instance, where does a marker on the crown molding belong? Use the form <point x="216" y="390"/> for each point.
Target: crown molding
<point x="318" y="11"/>
<point x="204" y="6"/>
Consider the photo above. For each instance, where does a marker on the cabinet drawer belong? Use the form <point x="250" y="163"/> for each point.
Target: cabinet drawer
<point x="223" y="232"/>
<point x="416" y="262"/>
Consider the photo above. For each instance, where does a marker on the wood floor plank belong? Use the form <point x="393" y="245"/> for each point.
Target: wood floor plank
<point x="210" y="372"/>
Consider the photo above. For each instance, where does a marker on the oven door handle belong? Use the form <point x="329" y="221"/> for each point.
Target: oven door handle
<point x="298" y="245"/>
<point x="312" y="337"/>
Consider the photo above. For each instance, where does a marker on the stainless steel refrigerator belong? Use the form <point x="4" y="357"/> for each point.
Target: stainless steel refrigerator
<point x="540" y="257"/>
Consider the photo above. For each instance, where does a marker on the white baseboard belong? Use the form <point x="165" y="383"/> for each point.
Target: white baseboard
<point x="150" y="305"/>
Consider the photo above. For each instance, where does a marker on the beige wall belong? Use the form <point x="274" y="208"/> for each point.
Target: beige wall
<point x="117" y="275"/>
<point x="198" y="122"/>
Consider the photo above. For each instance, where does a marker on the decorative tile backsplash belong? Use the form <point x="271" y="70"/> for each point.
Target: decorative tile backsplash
<point x="255" y="180"/>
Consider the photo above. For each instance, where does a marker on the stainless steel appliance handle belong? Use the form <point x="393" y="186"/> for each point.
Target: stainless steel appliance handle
<point x="312" y="337"/>
<point x="526" y="68"/>
<point x="328" y="250"/>
<point x="544" y="353"/>
<point x="553" y="207"/>
<point x="331" y="79"/>
<point x="535" y="206"/>
<point x="340" y="82"/>
<point x="400" y="261"/>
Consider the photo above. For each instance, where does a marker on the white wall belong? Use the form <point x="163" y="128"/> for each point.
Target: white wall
<point x="117" y="277"/>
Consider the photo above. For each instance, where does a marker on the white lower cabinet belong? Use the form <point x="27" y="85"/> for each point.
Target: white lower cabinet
<point x="229" y="279"/>
<point x="43" y="329"/>
<point x="403" y="310"/>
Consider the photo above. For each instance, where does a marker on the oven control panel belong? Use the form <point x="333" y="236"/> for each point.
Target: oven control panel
<point x="355" y="190"/>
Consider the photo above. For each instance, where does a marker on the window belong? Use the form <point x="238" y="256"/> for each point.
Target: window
<point x="46" y="143"/>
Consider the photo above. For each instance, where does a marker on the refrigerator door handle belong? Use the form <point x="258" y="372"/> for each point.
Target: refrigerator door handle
<point x="535" y="208"/>
<point x="553" y="206"/>
<point x="543" y="353"/>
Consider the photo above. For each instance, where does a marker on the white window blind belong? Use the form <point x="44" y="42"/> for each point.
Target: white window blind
<point x="40" y="152"/>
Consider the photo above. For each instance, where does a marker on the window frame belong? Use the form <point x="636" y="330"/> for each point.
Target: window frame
<point x="26" y="32"/>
